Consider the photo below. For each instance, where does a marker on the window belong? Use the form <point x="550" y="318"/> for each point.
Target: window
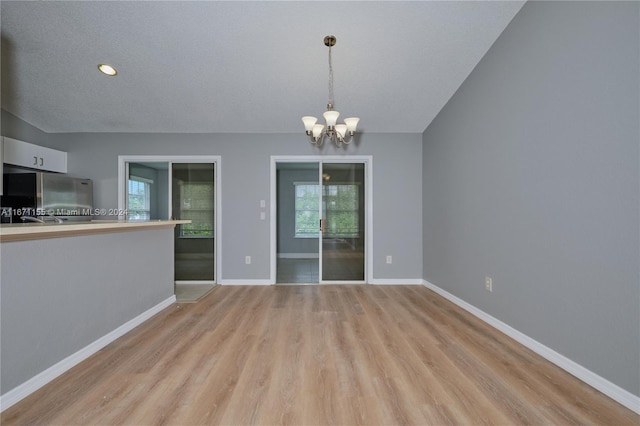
<point x="340" y="210"/>
<point x="139" y="198"/>
<point x="307" y="220"/>
<point x="196" y="204"/>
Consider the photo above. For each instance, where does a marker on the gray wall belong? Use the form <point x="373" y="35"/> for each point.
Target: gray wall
<point x="162" y="192"/>
<point x="245" y="169"/>
<point x="15" y="128"/>
<point x="51" y="308"/>
<point x="531" y="177"/>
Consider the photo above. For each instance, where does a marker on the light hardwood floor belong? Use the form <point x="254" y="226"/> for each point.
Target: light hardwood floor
<point x="316" y="355"/>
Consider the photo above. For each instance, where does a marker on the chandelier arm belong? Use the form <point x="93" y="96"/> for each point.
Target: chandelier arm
<point x="317" y="141"/>
<point x="336" y="138"/>
<point x="346" y="139"/>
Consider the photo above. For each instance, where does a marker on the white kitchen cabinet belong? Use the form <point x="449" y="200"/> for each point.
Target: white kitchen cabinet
<point x="25" y="154"/>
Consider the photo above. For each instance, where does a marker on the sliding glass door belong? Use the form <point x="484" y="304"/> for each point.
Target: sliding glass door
<point x="164" y="187"/>
<point x="342" y="254"/>
<point x="193" y="198"/>
<point x="321" y="222"/>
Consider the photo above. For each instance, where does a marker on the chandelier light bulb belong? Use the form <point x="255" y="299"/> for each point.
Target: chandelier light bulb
<point x="341" y="130"/>
<point x="317" y="130"/>
<point x="309" y="122"/>
<point x="331" y="117"/>
<point x="351" y="123"/>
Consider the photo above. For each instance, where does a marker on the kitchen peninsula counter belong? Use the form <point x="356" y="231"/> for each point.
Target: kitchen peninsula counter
<point x="67" y="290"/>
<point x="33" y="230"/>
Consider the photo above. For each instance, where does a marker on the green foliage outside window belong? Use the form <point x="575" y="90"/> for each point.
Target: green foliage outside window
<point x="340" y="209"/>
<point x="196" y="204"/>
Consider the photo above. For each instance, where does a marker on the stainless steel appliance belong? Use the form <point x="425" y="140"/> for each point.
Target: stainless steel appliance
<point x="40" y="196"/>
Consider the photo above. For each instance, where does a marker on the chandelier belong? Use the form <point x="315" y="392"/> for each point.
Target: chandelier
<point x="337" y="133"/>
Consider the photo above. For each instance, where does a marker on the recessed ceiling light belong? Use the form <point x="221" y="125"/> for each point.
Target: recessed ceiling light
<point x="107" y="69"/>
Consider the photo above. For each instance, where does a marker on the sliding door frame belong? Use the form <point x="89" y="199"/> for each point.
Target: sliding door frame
<point x="367" y="160"/>
<point x="123" y="165"/>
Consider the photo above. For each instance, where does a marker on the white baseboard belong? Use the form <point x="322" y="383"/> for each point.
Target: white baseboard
<point x="298" y="255"/>
<point x="246" y="282"/>
<point x="196" y="282"/>
<point x="612" y="390"/>
<point x="396" y="281"/>
<point x="25" y="389"/>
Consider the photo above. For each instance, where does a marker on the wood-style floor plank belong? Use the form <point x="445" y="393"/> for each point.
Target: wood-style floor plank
<point x="316" y="355"/>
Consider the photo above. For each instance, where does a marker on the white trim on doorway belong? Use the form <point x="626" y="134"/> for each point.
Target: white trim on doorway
<point x="123" y="161"/>
<point x="368" y="162"/>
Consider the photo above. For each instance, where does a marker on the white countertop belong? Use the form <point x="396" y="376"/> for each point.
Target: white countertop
<point x="33" y="230"/>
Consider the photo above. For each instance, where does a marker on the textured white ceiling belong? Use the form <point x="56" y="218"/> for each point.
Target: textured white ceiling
<point x="237" y="66"/>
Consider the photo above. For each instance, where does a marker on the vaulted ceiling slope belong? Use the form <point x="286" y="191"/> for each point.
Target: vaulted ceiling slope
<point x="239" y="66"/>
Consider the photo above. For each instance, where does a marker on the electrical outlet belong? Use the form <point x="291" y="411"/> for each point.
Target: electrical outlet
<point x="488" y="284"/>
<point x="247" y="260"/>
<point x="389" y="260"/>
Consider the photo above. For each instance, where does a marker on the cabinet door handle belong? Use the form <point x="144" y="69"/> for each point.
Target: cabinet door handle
<point x="41" y="161"/>
<point x="35" y="161"/>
